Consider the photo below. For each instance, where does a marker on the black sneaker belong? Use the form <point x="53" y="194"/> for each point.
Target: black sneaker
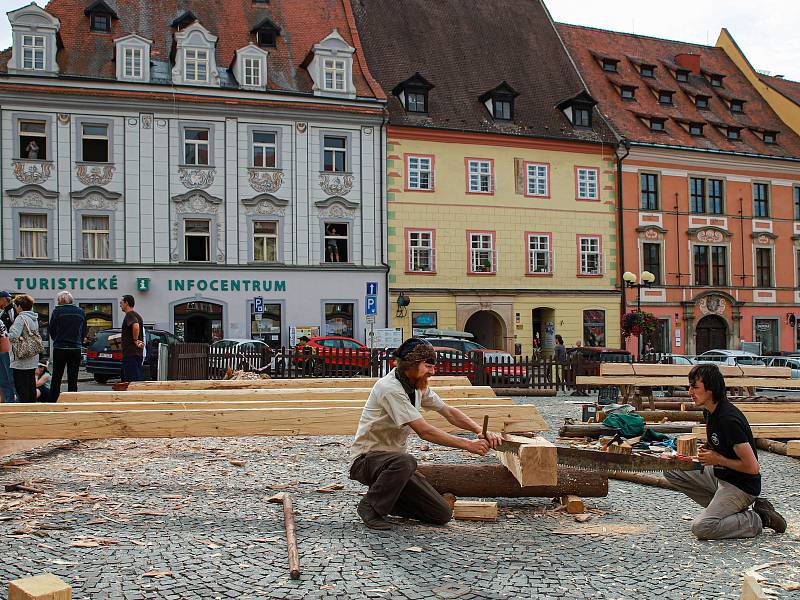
<point x="769" y="516"/>
<point x="371" y="519"/>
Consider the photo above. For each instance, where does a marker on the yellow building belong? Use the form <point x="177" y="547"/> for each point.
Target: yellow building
<point x="509" y="239"/>
<point x="500" y="176"/>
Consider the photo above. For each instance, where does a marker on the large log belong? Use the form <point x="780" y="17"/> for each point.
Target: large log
<point x="466" y="391"/>
<point x="596" y="430"/>
<point x="773" y="446"/>
<point x="495" y="481"/>
<point x="642" y="478"/>
<point x="657" y="416"/>
<point x="234" y="422"/>
<point x="312" y="382"/>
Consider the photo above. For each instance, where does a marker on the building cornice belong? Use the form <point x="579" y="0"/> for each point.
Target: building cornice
<point x="683" y="159"/>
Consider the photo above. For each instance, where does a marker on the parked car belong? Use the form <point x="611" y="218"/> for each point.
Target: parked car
<point x="500" y="367"/>
<point x="786" y="361"/>
<point x="334" y="352"/>
<point x="454" y="343"/>
<point x="730" y="358"/>
<point x="104" y="356"/>
<point x="239" y="354"/>
<point x="674" y="359"/>
<point x="454" y="362"/>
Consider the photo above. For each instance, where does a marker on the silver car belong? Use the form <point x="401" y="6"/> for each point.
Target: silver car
<point x="730" y="358"/>
<point x="786" y="361"/>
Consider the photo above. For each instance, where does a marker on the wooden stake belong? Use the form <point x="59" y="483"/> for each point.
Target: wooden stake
<point x="41" y="587"/>
<point x="574" y="505"/>
<point x="291" y="540"/>
<point x="467" y="510"/>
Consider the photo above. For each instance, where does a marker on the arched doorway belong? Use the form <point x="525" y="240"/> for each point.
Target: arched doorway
<point x="711" y="334"/>
<point x="488" y="329"/>
<point x="199" y="322"/>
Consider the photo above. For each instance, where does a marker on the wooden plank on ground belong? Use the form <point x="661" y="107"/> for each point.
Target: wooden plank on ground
<point x="176" y="405"/>
<point x="311" y="382"/>
<point x="40" y="587"/>
<point x="616" y="369"/>
<point x="259" y="394"/>
<point x="534" y="462"/>
<point x="472" y="510"/>
<point x="678" y="382"/>
<point x="793" y="448"/>
<point x="234" y="422"/>
<point x="652" y="370"/>
<point x="772" y="431"/>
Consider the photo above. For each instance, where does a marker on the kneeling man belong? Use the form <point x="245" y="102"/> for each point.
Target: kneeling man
<point x="727" y="490"/>
<point x="379" y="452"/>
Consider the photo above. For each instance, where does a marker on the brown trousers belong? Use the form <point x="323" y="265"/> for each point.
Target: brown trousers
<point x="395" y="487"/>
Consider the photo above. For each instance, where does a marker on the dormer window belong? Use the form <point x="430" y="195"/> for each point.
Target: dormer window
<point x="609" y="65"/>
<point x="737" y="106"/>
<point x="578" y="109"/>
<point x="657" y="124"/>
<point x="195" y="65"/>
<point x="647" y="70"/>
<point x="33" y="52"/>
<point x="413" y="93"/>
<point x="582" y="116"/>
<point x="330" y="65"/>
<point x="101" y="23"/>
<point x="682" y="75"/>
<point x="701" y="101"/>
<point x="665" y="97"/>
<point x="133" y="58"/>
<point x="34" y="34"/>
<point x="696" y="129"/>
<point x="627" y="92"/>
<point x="500" y="101"/>
<point x="100" y="15"/>
<point x="716" y="79"/>
<point x="333" y="75"/>
<point x="734" y="133"/>
<point x="770" y="137"/>
<point x="195" y="59"/>
<point x="250" y="67"/>
<point x="266" y="33"/>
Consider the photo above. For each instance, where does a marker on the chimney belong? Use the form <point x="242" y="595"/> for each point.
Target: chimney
<point x="689" y="61"/>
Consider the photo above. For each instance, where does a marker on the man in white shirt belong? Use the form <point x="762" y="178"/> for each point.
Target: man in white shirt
<point x="378" y="454"/>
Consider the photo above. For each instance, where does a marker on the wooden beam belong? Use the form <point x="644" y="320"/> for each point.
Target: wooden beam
<point x="751" y="589"/>
<point x="41" y="587"/>
<point x="681" y="382"/>
<point x="793" y="448"/>
<point x="534" y="462"/>
<point x="779" y="431"/>
<point x="728" y="371"/>
<point x="495" y="481"/>
<point x="470" y="510"/>
<point x="312" y="382"/>
<point x="256" y="394"/>
<point x="233" y="422"/>
<point x="177" y="405"/>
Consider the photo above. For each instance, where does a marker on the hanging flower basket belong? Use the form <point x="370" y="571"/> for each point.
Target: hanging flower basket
<point x="638" y="323"/>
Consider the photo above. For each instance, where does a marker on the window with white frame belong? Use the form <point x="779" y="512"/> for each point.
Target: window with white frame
<point x="133" y="59"/>
<point x="333" y="71"/>
<point x="195" y="63"/>
<point x="252" y="72"/>
<point x="420" y="172"/>
<point x="335" y="154"/>
<point x="482" y="257"/>
<point x="540" y="255"/>
<point x="33" y="140"/>
<point x="32" y="235"/>
<point x="197" y="240"/>
<point x="195" y="146"/>
<point x="421" y="252"/>
<point x="96" y="237"/>
<point x="537" y="180"/>
<point x="265" y="241"/>
<point x="33" y="52"/>
<point x="590" y="256"/>
<point x="94" y="142"/>
<point x="587" y="184"/>
<point x="480" y="176"/>
<point x="264" y="149"/>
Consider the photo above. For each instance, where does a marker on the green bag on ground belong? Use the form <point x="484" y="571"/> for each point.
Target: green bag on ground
<point x="628" y="425"/>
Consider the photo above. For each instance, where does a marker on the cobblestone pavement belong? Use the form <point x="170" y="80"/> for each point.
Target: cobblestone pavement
<point x="117" y="514"/>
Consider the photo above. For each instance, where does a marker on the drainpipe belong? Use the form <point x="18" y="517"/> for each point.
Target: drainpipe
<point x="624" y="143"/>
<point x="384" y="211"/>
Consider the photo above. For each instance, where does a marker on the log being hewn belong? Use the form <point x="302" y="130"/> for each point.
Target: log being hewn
<point x="234" y="422"/>
<point x="533" y="462"/>
<point x="596" y="430"/>
<point x="495" y="481"/>
<point x="315" y="382"/>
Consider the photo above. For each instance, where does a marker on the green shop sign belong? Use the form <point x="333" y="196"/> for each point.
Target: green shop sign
<point x="66" y="283"/>
<point x="227" y="285"/>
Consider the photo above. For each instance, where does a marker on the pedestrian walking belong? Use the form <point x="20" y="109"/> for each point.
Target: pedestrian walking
<point x="132" y="341"/>
<point x="560" y="351"/>
<point x="6" y="378"/>
<point x="42" y="381"/>
<point x="7" y="313"/>
<point x="23" y="367"/>
<point x="67" y="329"/>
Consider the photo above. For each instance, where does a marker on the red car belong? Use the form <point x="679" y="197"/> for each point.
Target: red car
<point x="453" y="362"/>
<point x="500" y="367"/>
<point x="332" y="354"/>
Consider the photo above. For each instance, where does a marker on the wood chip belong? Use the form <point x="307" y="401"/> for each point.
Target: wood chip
<point x="84" y="544"/>
<point x="330" y="488"/>
<point x="600" y="530"/>
<point x="237" y="463"/>
<point x="158" y="573"/>
<point x="582" y="518"/>
<point x="414" y="549"/>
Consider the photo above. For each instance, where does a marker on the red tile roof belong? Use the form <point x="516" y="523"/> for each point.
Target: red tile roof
<point x="303" y="24"/>
<point x="628" y="116"/>
<point x="787" y="87"/>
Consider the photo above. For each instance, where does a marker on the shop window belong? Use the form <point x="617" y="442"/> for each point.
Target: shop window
<point x="594" y="328"/>
<point x="266" y="325"/>
<point x="339" y="318"/>
<point x="98" y="317"/>
<point x="265" y="241"/>
<point x="94" y="142"/>
<point x="420" y="321"/>
<point x="337" y="242"/>
<point x="421" y="252"/>
<point x="32" y="235"/>
<point x="33" y="140"/>
<point x="766" y="332"/>
<point x="195" y="146"/>
<point x="197" y="240"/>
<point x="335" y="154"/>
<point x="95" y="237"/>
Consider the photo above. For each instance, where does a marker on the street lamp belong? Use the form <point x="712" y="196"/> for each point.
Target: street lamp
<point x="630" y="281"/>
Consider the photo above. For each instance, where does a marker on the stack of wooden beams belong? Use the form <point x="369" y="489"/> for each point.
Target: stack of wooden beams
<point x="240" y="408"/>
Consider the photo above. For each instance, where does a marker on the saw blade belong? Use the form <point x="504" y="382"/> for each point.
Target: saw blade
<point x="595" y="460"/>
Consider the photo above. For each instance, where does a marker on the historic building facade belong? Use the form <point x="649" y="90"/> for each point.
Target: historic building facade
<point x="500" y="178"/>
<point x="710" y="179"/>
<point x="229" y="177"/>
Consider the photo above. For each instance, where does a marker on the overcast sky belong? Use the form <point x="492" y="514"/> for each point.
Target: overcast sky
<point x="766" y="30"/>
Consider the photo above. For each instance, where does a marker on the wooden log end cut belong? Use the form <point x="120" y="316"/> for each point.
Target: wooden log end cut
<point x="40" y="587"/>
<point x="468" y="510"/>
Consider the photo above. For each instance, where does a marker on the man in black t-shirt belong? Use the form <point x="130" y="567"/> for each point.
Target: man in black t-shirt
<point x="727" y="490"/>
<point x="132" y="341"/>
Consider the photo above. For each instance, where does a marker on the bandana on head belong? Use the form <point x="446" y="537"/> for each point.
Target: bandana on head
<point x="416" y="350"/>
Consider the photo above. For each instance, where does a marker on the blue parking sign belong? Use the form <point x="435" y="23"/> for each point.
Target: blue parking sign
<point x="372" y="288"/>
<point x="371" y="305"/>
<point x="258" y="304"/>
